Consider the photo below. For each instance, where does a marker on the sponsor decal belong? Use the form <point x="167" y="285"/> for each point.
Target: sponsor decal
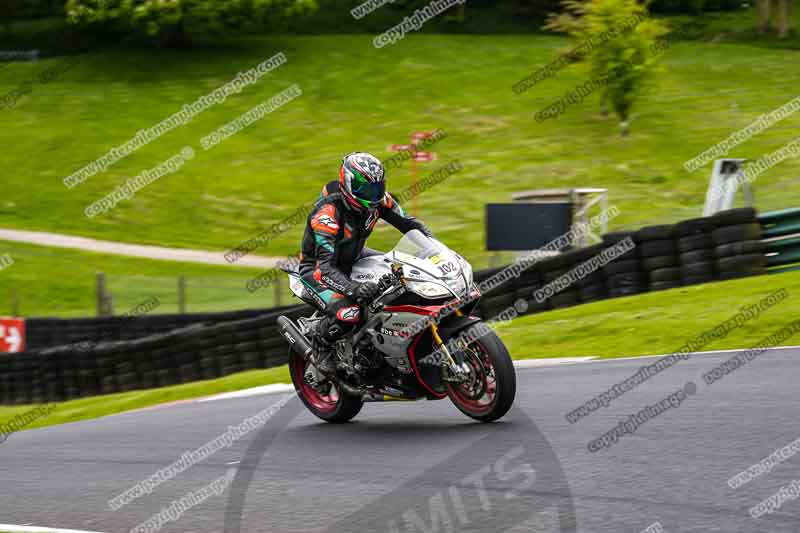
<point x="317" y="298"/>
<point x="372" y="219"/>
<point x="325" y="220"/>
<point x="333" y="284"/>
<point x="349" y="314"/>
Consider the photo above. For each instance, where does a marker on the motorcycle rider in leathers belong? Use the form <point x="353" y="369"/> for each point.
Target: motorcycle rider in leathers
<point x="336" y="232"/>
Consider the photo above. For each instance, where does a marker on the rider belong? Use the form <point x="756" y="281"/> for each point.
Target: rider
<point x="336" y="232"/>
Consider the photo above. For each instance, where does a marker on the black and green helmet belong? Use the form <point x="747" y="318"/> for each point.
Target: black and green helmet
<point x="363" y="180"/>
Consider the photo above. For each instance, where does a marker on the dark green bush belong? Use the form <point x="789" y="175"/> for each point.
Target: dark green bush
<point x="693" y="6"/>
<point x="31" y="9"/>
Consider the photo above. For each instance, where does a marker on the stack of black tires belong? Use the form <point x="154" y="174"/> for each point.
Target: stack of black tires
<point x="696" y="249"/>
<point x="699" y="250"/>
<point x="738" y="250"/>
<point x="494" y="301"/>
<point x="593" y="287"/>
<point x="526" y="286"/>
<point x="574" y="291"/>
<point x="199" y="351"/>
<point x="49" y="332"/>
<point x="539" y="275"/>
<point x="724" y="246"/>
<point x="658" y="248"/>
<point x="624" y="276"/>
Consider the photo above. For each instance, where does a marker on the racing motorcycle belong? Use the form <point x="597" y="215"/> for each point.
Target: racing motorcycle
<point x="417" y="340"/>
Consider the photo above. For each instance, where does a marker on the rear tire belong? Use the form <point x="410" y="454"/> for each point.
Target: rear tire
<point x="487" y="351"/>
<point x="336" y="407"/>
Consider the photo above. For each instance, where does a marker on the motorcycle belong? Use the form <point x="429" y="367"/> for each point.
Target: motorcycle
<point x="417" y="340"/>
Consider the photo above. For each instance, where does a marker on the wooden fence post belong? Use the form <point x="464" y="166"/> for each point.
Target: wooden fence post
<point x="182" y="295"/>
<point x="14" y="302"/>
<point x="105" y="305"/>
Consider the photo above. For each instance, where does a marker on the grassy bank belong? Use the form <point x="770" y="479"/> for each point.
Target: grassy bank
<point x="655" y="323"/>
<point x="261" y="175"/>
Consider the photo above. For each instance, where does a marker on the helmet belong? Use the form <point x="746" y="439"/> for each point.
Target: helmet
<point x="363" y="180"/>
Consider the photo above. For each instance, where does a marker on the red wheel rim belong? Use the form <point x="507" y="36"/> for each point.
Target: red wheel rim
<point x="324" y="403"/>
<point x="478" y="395"/>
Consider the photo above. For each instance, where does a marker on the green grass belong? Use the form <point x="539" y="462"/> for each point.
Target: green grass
<point x="655" y="323"/>
<point x="646" y="324"/>
<point x="61" y="282"/>
<point x="357" y="97"/>
<point x="97" y="406"/>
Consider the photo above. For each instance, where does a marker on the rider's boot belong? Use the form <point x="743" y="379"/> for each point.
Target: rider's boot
<point x="325" y="336"/>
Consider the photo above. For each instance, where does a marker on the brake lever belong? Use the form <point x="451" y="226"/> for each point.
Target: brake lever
<point x="378" y="303"/>
<point x="397" y="287"/>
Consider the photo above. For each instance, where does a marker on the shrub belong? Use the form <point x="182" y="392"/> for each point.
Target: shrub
<point x="622" y="58"/>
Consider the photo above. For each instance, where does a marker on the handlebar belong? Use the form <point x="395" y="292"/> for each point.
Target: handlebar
<point x="386" y="281"/>
<point x="394" y="281"/>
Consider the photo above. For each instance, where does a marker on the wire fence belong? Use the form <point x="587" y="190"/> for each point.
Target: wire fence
<point x="188" y="294"/>
<point x="53" y="282"/>
<point x="119" y="294"/>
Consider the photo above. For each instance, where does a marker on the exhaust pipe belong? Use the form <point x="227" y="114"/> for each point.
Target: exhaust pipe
<point x="300" y="344"/>
<point x="296" y="339"/>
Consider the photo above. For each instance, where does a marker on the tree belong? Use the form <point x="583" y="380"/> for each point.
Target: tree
<point x="8" y="10"/>
<point x="616" y="38"/>
<point x="172" y="22"/>
<point x="784" y="17"/>
<point x="533" y="9"/>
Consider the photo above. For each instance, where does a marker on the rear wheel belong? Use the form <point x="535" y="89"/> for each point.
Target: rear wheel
<point x="489" y="391"/>
<point x="327" y="402"/>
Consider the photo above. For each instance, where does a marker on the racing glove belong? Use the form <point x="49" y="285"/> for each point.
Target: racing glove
<point x="364" y="293"/>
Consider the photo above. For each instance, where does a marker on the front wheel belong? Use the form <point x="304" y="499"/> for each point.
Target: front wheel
<point x="331" y="405"/>
<point x="489" y="391"/>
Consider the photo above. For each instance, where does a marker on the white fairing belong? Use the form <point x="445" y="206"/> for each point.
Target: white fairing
<point x="295" y="284"/>
<point x="432" y="271"/>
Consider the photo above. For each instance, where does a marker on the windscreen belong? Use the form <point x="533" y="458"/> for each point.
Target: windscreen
<point x="416" y="244"/>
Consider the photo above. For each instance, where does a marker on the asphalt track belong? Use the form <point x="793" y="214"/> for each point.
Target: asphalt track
<point x="425" y="467"/>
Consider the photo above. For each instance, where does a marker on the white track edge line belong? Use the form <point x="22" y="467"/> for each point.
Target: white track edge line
<point x="275" y="388"/>
<point x="711" y="352"/>
<point x="34" y="529"/>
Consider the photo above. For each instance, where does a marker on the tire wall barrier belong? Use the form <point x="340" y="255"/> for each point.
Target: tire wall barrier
<point x="201" y="350"/>
<point x="47" y="332"/>
<point x="724" y="246"/>
<point x="73" y="358"/>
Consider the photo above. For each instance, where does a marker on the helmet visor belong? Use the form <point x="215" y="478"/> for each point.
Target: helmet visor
<point x="369" y="193"/>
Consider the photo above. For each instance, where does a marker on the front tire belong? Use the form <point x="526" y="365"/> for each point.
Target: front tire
<point x="492" y="387"/>
<point x="334" y="406"/>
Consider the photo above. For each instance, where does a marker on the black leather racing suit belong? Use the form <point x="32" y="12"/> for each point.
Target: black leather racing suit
<point x="334" y="240"/>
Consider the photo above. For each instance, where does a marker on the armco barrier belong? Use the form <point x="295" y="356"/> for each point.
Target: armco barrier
<point x="781" y="231"/>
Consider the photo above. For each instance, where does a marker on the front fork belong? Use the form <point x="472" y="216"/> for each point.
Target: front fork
<point x="453" y="367"/>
